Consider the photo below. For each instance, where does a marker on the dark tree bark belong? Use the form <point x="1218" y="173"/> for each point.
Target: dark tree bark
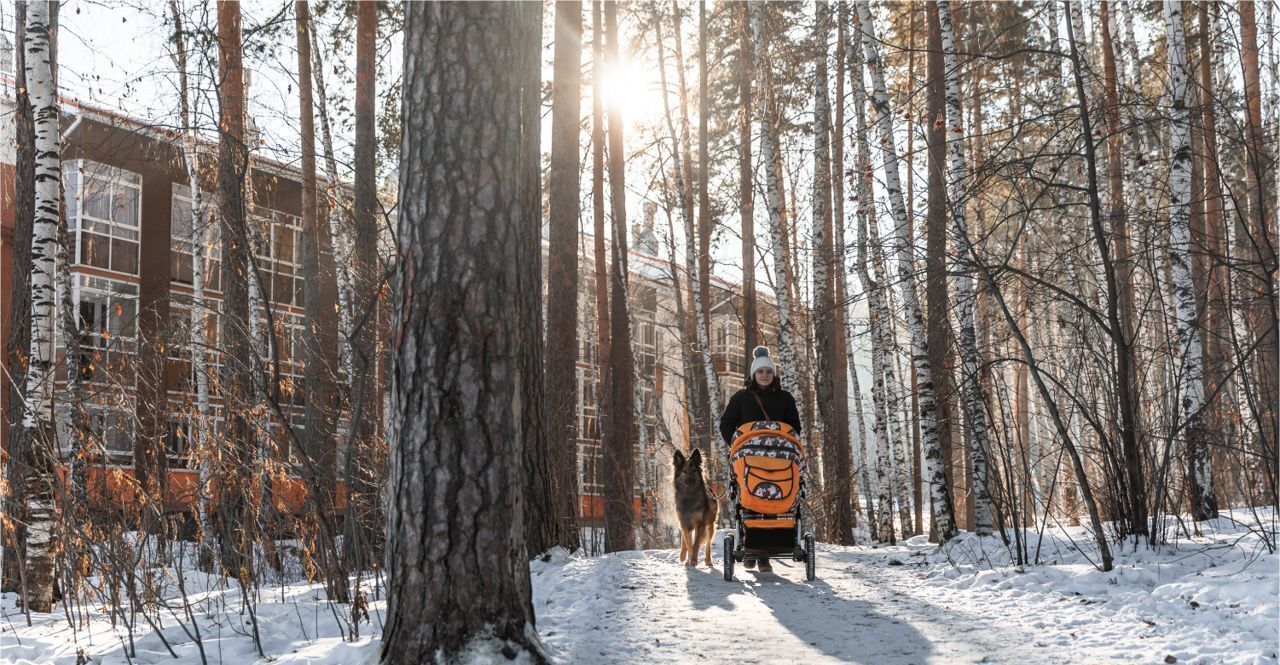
<point x="1260" y="258"/>
<point x="19" y="338"/>
<point x="562" y="276"/>
<point x="455" y="554"/>
<point x="746" y="206"/>
<point x="237" y="387"/>
<point x="319" y="336"/>
<point x="938" y="329"/>
<point x="539" y="459"/>
<point x="364" y="510"/>
<point x="833" y="368"/>
<point x="619" y="448"/>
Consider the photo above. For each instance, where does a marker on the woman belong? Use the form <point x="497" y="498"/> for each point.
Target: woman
<point x="762" y="399"/>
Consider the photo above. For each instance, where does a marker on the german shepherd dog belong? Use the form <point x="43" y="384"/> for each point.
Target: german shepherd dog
<point x="695" y="506"/>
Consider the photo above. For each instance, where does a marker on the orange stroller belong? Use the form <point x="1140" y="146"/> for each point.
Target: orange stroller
<point x="766" y="462"/>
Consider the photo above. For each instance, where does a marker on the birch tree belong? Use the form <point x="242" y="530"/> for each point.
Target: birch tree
<point x="1199" y="476"/>
<point x="975" y="409"/>
<point x="38" y="417"/>
<point x="930" y="445"/>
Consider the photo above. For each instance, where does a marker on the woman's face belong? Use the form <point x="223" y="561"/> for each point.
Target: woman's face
<point x="764" y="376"/>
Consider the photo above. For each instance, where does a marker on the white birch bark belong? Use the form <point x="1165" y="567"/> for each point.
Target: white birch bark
<point x="935" y="473"/>
<point x="878" y="310"/>
<point x="38" y="417"/>
<point x="1203" y="503"/>
<point x="201" y="452"/>
<point x="768" y="150"/>
<point x="975" y="412"/>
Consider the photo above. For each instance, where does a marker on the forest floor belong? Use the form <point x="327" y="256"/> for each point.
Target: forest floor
<point x="1207" y="598"/>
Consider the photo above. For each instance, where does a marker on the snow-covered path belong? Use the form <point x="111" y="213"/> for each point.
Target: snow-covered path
<point x="875" y="605"/>
<point x="858" y="610"/>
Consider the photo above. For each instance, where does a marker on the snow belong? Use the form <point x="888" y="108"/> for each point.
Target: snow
<point x="1212" y="597"/>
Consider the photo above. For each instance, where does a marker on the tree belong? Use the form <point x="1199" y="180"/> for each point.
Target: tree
<point x="832" y="365"/>
<point x="364" y="510"/>
<point x="936" y="475"/>
<point x="975" y="408"/>
<point x="237" y="383"/>
<point x="459" y="581"/>
<point x="938" y="328"/>
<point x="319" y="335"/>
<point x="562" y="273"/>
<point x="41" y="438"/>
<point x="18" y="345"/>
<point x="746" y="205"/>
<point x="1204" y="504"/>
<point x="619" y="453"/>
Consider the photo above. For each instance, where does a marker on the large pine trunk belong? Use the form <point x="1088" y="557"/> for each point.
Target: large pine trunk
<point x="562" y="276"/>
<point x="974" y="400"/>
<point x="234" y="474"/>
<point x="939" y="492"/>
<point x="455" y="553"/>
<point x="37" y="419"/>
<point x="619" y="454"/>
<point x="364" y="508"/>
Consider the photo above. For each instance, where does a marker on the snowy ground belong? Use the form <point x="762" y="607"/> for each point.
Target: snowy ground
<point x="1213" y="598"/>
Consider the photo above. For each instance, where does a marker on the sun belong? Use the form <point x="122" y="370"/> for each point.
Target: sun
<point x="630" y="88"/>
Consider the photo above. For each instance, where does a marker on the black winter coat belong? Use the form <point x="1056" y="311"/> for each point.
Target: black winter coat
<point x="742" y="408"/>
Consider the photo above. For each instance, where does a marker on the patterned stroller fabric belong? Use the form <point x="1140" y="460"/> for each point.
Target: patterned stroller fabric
<point x="768" y="464"/>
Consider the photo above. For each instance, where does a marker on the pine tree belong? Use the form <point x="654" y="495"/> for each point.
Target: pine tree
<point x="562" y="273"/>
<point x="459" y="575"/>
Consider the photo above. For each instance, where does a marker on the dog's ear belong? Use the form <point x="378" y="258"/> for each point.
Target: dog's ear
<point x="679" y="460"/>
<point x="696" y="458"/>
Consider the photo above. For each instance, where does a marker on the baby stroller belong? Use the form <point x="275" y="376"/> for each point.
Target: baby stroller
<point x="766" y="488"/>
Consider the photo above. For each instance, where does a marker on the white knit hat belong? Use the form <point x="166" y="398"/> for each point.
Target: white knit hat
<point x="762" y="359"/>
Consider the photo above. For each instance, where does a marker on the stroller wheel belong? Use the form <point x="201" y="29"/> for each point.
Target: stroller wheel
<point x="811" y="553"/>
<point x="728" y="557"/>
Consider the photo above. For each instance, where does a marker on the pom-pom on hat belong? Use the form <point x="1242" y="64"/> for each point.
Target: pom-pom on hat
<point x="762" y="359"/>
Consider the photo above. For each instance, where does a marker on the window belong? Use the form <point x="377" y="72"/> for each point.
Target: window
<point x="280" y="254"/>
<point x="177" y="439"/>
<point x="181" y="256"/>
<point x="288" y="336"/>
<point x="112" y="429"/>
<point x="104" y="212"/>
<point x="108" y="311"/>
<point x="588" y="406"/>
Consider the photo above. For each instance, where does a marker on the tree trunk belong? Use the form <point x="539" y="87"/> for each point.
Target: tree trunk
<point x="769" y="155"/>
<point x="746" y="205"/>
<point x="877" y="309"/>
<point x="1204" y="504"/>
<point x="364" y="509"/>
<point x="975" y="408"/>
<point x="833" y="401"/>
<point x="459" y="579"/>
<point x="13" y="533"/>
<point x="1260" y="287"/>
<point x="234" y="474"/>
<point x="37" y="420"/>
<point x="935" y="472"/>
<point x="319" y="336"/>
<point x="938" y="304"/>
<point x="562" y="273"/>
<point x="619" y="446"/>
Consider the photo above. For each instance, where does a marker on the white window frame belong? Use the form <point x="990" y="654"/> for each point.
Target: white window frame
<point x="75" y="173"/>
